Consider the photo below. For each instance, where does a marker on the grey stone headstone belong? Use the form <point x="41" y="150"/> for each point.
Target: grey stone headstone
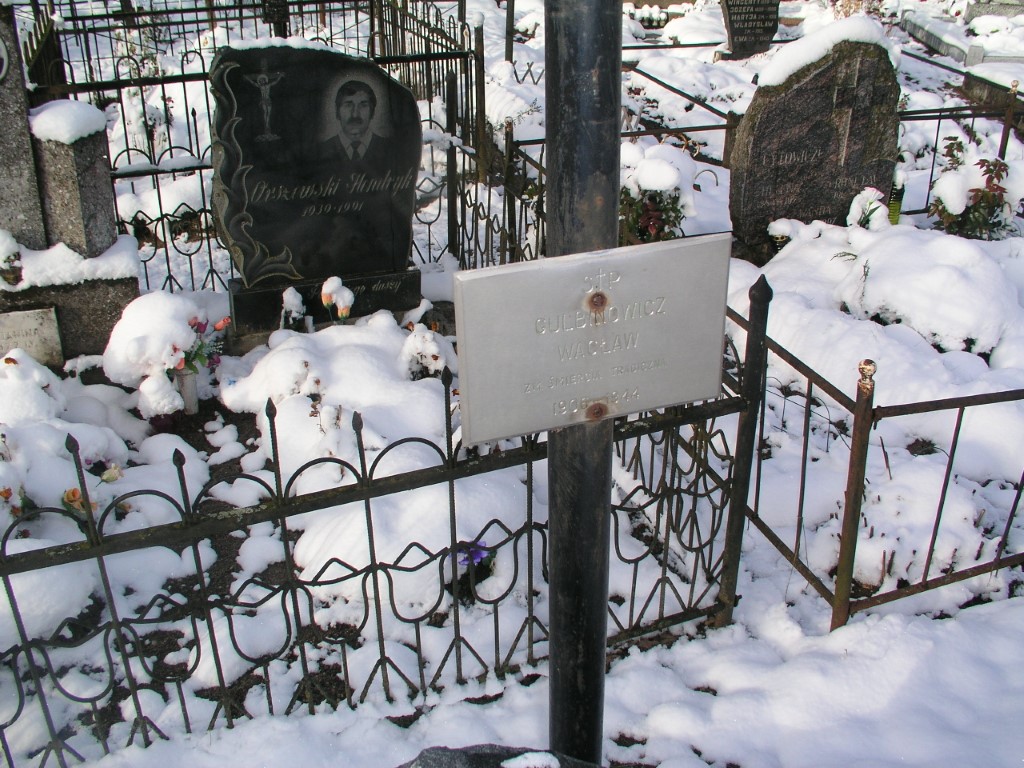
<point x="1007" y="8"/>
<point x="490" y="756"/>
<point x="291" y="201"/>
<point x="86" y="312"/>
<point x="78" y="198"/>
<point x="21" y="212"/>
<point x="805" y="148"/>
<point x="750" y="26"/>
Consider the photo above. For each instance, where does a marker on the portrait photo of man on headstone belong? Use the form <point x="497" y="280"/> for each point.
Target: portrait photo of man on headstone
<point x="376" y="181"/>
<point x="355" y="105"/>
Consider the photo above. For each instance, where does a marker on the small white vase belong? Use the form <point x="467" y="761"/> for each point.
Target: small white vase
<point x="188" y="388"/>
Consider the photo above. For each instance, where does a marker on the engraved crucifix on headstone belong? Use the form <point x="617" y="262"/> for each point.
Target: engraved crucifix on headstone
<point x="265" y="81"/>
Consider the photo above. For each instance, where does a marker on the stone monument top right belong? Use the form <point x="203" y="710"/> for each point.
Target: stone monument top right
<point x="816" y="133"/>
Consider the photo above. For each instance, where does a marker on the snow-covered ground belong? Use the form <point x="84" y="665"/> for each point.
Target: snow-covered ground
<point x="941" y="316"/>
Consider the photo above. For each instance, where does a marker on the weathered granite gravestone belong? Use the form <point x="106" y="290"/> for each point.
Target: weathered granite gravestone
<point x="74" y="177"/>
<point x="35" y="331"/>
<point x="750" y="26"/>
<point x="21" y="212"/>
<point x="805" y="148"/>
<point x="315" y="156"/>
<point x="55" y="187"/>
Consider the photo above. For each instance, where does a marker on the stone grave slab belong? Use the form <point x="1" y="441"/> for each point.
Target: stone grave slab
<point x="35" y="331"/>
<point x="805" y="148"/>
<point x="86" y="312"/>
<point x="255" y="309"/>
<point x="315" y="156"/>
<point x="750" y="26"/>
<point x="557" y="342"/>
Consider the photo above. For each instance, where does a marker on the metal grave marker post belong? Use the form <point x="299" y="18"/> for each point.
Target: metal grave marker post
<point x="557" y="342"/>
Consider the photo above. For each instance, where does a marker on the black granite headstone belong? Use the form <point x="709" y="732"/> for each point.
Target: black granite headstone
<point x="315" y="158"/>
<point x="805" y="148"/>
<point x="750" y="26"/>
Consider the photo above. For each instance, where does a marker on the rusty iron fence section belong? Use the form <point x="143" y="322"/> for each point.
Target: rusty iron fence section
<point x="824" y="471"/>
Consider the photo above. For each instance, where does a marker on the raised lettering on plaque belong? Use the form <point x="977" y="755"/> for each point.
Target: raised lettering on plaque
<point x="561" y="341"/>
<point x="315" y="157"/>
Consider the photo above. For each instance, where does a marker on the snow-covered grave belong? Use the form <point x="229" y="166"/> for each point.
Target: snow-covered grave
<point x="290" y="604"/>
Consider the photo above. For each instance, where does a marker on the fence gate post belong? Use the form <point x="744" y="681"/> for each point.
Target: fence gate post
<point x="1011" y="105"/>
<point x="482" y="138"/>
<point x="854" y="492"/>
<point x="452" y="171"/>
<point x="755" y="360"/>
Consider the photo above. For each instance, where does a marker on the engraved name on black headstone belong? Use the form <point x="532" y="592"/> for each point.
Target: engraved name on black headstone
<point x="750" y="25"/>
<point x="315" y="156"/>
<point x="805" y="148"/>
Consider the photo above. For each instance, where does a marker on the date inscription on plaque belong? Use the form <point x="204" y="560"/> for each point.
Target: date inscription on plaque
<point x="556" y="342"/>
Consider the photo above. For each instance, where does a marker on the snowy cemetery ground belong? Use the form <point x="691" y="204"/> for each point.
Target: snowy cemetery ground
<point x="920" y="682"/>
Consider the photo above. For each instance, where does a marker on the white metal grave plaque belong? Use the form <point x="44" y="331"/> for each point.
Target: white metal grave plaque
<point x="35" y="331"/>
<point x="556" y="342"/>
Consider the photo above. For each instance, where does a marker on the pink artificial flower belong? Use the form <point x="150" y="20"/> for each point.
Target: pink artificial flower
<point x="221" y="324"/>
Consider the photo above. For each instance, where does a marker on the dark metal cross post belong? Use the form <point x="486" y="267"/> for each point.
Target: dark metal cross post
<point x="583" y="62"/>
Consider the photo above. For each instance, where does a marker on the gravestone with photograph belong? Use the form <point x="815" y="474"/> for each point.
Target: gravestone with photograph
<point x="805" y="148"/>
<point x="315" y="156"/>
<point x="750" y="26"/>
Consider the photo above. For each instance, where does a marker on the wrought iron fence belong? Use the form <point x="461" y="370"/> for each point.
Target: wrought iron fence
<point x="844" y="486"/>
<point x="383" y="620"/>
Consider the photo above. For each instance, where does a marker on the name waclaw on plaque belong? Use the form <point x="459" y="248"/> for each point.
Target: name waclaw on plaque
<point x="611" y="316"/>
